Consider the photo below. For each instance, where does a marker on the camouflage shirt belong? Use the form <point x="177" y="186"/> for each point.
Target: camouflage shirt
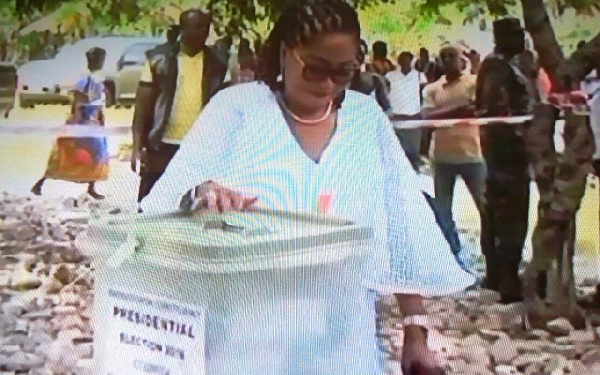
<point x="504" y="90"/>
<point x="502" y="87"/>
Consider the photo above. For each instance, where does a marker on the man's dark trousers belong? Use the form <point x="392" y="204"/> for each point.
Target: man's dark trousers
<point x="154" y="164"/>
<point x="505" y="213"/>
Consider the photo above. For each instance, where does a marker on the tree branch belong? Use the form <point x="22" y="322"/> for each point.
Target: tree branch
<point x="584" y="60"/>
<point x="537" y="23"/>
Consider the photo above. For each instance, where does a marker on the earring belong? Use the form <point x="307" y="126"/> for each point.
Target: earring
<point x="281" y="63"/>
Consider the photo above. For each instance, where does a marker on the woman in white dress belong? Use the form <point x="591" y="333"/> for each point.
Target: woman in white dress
<point x="298" y="140"/>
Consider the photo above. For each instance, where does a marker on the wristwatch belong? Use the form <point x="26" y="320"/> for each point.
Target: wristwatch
<point x="187" y="201"/>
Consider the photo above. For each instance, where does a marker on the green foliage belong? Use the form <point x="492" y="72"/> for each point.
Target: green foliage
<point x="400" y="24"/>
<point x="502" y="7"/>
<point x="573" y="20"/>
<point x="253" y="18"/>
<point x="233" y="17"/>
<point x="584" y="7"/>
<point x="239" y="17"/>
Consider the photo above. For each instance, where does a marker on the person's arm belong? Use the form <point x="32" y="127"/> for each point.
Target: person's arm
<point x="204" y="155"/>
<point x="399" y="117"/>
<point x="432" y="112"/>
<point x="412" y="305"/>
<point x="417" y="248"/>
<point x="143" y="116"/>
<point x="450" y="112"/>
<point x="381" y="93"/>
<point x="79" y="102"/>
<point x="492" y="91"/>
<point x="475" y="59"/>
<point x="430" y="109"/>
<point x="416" y="242"/>
<point x="79" y="98"/>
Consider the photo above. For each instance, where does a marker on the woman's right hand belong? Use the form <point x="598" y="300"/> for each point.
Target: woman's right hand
<point x="214" y="197"/>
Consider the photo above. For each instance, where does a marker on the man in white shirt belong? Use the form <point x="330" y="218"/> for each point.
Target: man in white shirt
<point x="591" y="86"/>
<point x="406" y="104"/>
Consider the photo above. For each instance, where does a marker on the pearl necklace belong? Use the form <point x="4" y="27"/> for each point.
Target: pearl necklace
<point x="309" y="122"/>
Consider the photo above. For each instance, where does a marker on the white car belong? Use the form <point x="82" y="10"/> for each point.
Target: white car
<point x="36" y="85"/>
<point x="48" y="81"/>
<point x="129" y="69"/>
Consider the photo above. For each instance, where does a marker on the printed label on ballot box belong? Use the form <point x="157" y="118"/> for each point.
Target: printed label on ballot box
<point x="148" y="335"/>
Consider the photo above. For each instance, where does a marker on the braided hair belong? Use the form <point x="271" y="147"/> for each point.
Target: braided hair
<point x="297" y="25"/>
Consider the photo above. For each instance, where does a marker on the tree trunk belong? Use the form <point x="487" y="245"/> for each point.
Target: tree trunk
<point x="537" y="23"/>
<point x="561" y="182"/>
<point x="581" y="62"/>
<point x="561" y="179"/>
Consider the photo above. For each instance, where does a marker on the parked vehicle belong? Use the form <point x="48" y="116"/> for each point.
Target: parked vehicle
<point x="36" y="85"/>
<point x="129" y="69"/>
<point x="8" y="87"/>
<point x="49" y="81"/>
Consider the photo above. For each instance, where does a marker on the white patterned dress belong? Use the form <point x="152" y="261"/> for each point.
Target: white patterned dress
<point x="242" y="141"/>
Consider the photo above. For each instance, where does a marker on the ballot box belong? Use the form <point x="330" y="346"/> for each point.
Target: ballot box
<point x="260" y="292"/>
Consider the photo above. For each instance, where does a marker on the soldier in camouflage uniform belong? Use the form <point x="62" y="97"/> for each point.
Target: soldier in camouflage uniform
<point x="504" y="90"/>
<point x="561" y="181"/>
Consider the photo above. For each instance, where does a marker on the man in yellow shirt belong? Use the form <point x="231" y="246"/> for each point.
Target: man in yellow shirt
<point x="456" y="150"/>
<point x="177" y="81"/>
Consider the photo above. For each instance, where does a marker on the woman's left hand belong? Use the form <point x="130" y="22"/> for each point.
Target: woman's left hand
<point x="417" y="359"/>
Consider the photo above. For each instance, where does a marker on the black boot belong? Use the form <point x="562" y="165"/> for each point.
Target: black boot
<point x="509" y="282"/>
<point x="542" y="284"/>
<point x="492" y="272"/>
<point x="92" y="192"/>
<point x="37" y="188"/>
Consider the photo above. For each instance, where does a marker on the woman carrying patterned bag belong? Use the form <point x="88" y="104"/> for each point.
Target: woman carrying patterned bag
<point x="80" y="153"/>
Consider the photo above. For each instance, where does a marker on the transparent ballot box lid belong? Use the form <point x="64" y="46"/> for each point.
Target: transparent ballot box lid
<point x="228" y="242"/>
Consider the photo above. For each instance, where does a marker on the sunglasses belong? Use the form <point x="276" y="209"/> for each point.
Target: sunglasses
<point x="313" y="73"/>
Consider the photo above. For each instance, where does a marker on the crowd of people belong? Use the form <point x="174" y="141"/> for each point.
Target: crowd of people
<point x="491" y="160"/>
<point x="459" y="85"/>
<point x="291" y="123"/>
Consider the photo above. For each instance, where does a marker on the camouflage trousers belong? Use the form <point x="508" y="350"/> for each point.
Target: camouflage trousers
<point x="505" y="207"/>
<point x="505" y="215"/>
